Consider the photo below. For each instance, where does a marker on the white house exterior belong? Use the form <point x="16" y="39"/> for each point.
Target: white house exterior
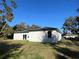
<point x="41" y="35"/>
<point x="67" y="36"/>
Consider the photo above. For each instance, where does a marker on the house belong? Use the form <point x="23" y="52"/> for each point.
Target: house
<point x="46" y="34"/>
<point x="68" y="36"/>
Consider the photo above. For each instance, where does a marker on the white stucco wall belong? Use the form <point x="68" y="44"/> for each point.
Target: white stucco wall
<point x="39" y="36"/>
<point x="36" y="36"/>
<point x="57" y="35"/>
<point x="19" y="36"/>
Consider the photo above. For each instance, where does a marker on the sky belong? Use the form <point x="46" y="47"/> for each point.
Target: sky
<point x="45" y="13"/>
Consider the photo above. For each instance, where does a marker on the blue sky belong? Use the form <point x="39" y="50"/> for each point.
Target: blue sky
<point x="49" y="13"/>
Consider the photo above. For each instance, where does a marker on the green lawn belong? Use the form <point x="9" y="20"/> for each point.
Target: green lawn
<point x="15" y="49"/>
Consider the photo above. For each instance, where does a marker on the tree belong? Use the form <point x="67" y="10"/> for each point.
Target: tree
<point x="33" y="27"/>
<point x="67" y="25"/>
<point x="8" y="32"/>
<point x="77" y="10"/>
<point x="70" y="25"/>
<point x="20" y="27"/>
<point x="6" y="13"/>
<point x="77" y="19"/>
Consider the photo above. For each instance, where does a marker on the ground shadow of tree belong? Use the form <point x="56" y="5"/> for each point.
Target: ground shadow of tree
<point x="58" y="56"/>
<point x="6" y="49"/>
<point x="75" y="41"/>
<point x="66" y="52"/>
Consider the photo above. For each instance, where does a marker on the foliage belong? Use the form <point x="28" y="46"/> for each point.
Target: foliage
<point x="20" y="27"/>
<point x="71" y="24"/>
<point x="8" y="32"/>
<point x="6" y="13"/>
<point x="77" y="10"/>
<point x="77" y="19"/>
<point x="23" y="26"/>
<point x="33" y="27"/>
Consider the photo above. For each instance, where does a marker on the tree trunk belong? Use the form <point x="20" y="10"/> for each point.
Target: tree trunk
<point x="3" y="27"/>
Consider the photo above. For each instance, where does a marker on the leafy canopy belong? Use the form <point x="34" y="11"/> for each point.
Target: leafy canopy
<point x="6" y="13"/>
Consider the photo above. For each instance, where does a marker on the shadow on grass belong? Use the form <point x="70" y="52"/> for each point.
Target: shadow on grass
<point x="58" y="56"/>
<point x="63" y="52"/>
<point x="6" y="49"/>
<point x="75" y="41"/>
<point x="67" y="52"/>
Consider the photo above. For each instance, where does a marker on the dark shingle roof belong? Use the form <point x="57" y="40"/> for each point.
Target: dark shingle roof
<point x="47" y="28"/>
<point x="25" y="31"/>
<point x="41" y="29"/>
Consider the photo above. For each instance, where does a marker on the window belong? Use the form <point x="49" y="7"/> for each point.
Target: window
<point x="24" y="37"/>
<point x="49" y="34"/>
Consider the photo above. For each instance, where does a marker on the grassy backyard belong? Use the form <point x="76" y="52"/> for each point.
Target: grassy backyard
<point x="11" y="49"/>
